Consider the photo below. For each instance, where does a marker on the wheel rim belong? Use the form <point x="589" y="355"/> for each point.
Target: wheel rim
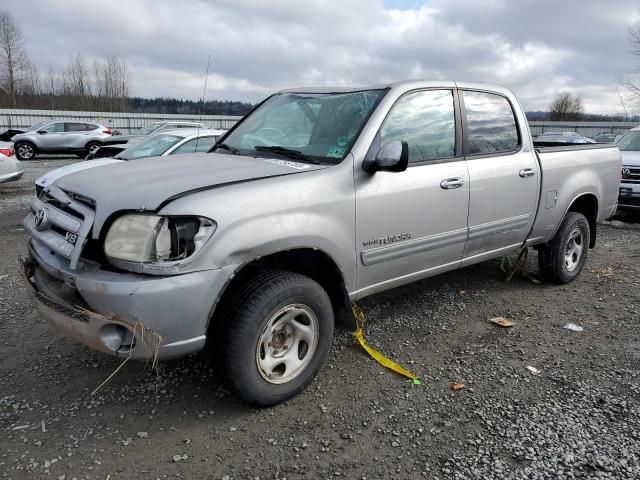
<point x="93" y="148"/>
<point x="25" y="150"/>
<point x="573" y="250"/>
<point x="287" y="343"/>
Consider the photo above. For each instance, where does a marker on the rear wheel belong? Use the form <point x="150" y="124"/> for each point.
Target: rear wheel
<point x="25" y="151"/>
<point x="279" y="332"/>
<point x="92" y="148"/>
<point x="562" y="259"/>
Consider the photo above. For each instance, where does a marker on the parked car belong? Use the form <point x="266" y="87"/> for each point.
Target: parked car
<point x="606" y="138"/>
<point x="317" y="198"/>
<point x="151" y="129"/>
<point x="79" y="138"/>
<point x="169" y="142"/>
<point x="567" y="138"/>
<point x="10" y="168"/>
<point x="629" y="146"/>
<point x="8" y="134"/>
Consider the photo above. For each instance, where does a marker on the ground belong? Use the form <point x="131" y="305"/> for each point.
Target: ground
<point x="579" y="417"/>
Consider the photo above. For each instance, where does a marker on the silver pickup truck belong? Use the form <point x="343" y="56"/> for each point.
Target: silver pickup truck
<point x="317" y="198"/>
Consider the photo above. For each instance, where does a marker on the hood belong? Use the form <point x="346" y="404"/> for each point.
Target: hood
<point x="50" y="177"/>
<point x="630" y="158"/>
<point x="128" y="139"/>
<point x="148" y="183"/>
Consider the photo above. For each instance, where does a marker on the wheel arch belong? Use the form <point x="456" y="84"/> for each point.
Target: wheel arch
<point x="311" y="262"/>
<point x="587" y="205"/>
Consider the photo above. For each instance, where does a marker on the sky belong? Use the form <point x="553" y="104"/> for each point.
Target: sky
<point x="537" y="48"/>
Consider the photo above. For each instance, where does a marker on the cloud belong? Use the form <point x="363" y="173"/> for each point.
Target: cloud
<point x="536" y="48"/>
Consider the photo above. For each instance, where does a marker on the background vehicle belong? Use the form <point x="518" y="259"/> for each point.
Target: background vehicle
<point x="151" y="129"/>
<point x="606" y="138"/>
<point x="10" y="168"/>
<point x="79" y="138"/>
<point x="549" y="138"/>
<point x="629" y="146"/>
<point x="317" y="198"/>
<point x="8" y="134"/>
<point x="167" y="143"/>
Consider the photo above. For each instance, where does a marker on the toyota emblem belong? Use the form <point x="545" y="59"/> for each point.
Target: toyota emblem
<point x="40" y="219"/>
<point x="626" y="173"/>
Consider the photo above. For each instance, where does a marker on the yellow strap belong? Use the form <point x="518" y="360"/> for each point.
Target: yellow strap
<point x="376" y="355"/>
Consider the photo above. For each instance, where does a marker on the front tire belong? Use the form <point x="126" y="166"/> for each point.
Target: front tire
<point x="25" y="151"/>
<point x="279" y="333"/>
<point x="562" y="259"/>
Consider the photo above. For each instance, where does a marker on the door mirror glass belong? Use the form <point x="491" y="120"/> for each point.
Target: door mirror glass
<point x="392" y="157"/>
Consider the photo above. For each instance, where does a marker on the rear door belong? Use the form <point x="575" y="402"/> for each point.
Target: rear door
<point x="77" y="135"/>
<point x="504" y="175"/>
<point x="411" y="224"/>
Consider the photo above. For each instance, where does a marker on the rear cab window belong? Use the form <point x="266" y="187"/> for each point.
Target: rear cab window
<point x="491" y="126"/>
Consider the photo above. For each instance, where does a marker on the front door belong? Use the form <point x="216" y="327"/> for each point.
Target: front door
<point x="412" y="224"/>
<point x="53" y="137"/>
<point x="504" y="176"/>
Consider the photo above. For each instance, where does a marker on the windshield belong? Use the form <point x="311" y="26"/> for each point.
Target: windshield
<point x="154" y="146"/>
<point x="36" y="126"/>
<point x="630" y="142"/>
<point x="148" y="130"/>
<point x="320" y="127"/>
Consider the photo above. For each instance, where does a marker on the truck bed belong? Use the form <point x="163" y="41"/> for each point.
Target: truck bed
<point x="568" y="172"/>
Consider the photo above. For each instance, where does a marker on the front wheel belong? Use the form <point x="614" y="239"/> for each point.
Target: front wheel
<point x="278" y="336"/>
<point x="25" y="151"/>
<point x="562" y="259"/>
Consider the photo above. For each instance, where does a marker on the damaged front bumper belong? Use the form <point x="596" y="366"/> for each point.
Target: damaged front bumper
<point x="123" y="314"/>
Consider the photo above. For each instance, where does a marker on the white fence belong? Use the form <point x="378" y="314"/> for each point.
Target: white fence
<point x="125" y="122"/>
<point x="587" y="129"/>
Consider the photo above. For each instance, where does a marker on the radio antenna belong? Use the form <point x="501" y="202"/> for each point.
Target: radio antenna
<point x="204" y="94"/>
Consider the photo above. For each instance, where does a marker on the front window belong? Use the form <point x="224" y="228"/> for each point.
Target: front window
<point x="148" y="130"/>
<point x="317" y="127"/>
<point x="53" y="128"/>
<point x="152" y="147"/>
<point x="630" y="142"/>
<point x="35" y="127"/>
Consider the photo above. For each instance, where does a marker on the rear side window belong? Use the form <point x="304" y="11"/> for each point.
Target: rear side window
<point x="91" y="126"/>
<point x="75" y="127"/>
<point x="201" y="144"/>
<point x="491" y="125"/>
<point x="426" y="121"/>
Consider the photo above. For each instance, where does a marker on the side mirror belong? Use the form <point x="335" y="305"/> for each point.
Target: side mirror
<point x="392" y="157"/>
<point x="42" y="132"/>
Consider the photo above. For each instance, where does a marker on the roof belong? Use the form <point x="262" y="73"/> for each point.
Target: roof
<point x="404" y="84"/>
<point x="189" y="132"/>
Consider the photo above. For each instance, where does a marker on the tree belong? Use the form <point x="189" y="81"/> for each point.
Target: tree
<point x="566" y="106"/>
<point x="13" y="57"/>
<point x="631" y="82"/>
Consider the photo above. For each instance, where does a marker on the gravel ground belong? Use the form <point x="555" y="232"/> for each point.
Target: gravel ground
<point x="579" y="417"/>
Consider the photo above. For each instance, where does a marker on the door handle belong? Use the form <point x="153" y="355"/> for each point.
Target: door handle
<point x="527" y="172"/>
<point x="451" y="183"/>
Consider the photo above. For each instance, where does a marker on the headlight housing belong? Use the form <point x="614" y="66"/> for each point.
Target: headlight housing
<point x="155" y="244"/>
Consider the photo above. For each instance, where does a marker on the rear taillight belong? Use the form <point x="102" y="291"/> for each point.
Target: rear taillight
<point x="7" y="152"/>
<point x="107" y="131"/>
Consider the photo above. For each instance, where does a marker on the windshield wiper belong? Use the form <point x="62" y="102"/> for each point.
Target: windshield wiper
<point x="287" y="152"/>
<point x="224" y="146"/>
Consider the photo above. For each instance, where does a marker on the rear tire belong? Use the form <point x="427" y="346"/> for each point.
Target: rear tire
<point x="277" y="337"/>
<point x="562" y="259"/>
<point x="25" y="151"/>
<point x="91" y="149"/>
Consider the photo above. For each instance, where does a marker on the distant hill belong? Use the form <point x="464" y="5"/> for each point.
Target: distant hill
<point x="188" y="107"/>
<point x="586" y="117"/>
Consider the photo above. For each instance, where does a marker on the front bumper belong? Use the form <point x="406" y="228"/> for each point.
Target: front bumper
<point x="629" y="197"/>
<point x="122" y="314"/>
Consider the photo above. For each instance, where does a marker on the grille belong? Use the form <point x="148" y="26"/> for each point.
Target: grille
<point x="61" y="221"/>
<point x="633" y="176"/>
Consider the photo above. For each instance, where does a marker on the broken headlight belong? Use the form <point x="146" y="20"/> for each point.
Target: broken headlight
<point x="155" y="244"/>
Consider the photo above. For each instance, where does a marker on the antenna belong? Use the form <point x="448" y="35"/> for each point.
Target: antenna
<point x="204" y="93"/>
